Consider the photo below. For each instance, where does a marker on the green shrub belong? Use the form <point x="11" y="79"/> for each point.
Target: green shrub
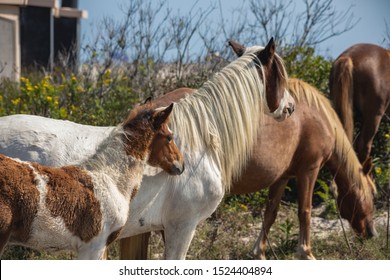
<point x="103" y="102"/>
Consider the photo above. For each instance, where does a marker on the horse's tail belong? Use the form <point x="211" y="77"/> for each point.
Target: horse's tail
<point x="341" y="92"/>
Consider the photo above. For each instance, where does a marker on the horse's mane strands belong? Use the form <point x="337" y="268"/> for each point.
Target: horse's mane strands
<point x="343" y="149"/>
<point x="222" y="116"/>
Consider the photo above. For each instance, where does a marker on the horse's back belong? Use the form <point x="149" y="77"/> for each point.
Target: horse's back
<point x="48" y="141"/>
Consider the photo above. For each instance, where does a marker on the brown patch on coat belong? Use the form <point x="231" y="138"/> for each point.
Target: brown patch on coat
<point x="70" y="196"/>
<point x="19" y="200"/>
<point x="139" y="131"/>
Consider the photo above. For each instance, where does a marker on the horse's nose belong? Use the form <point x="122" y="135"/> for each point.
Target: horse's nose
<point x="371" y="231"/>
<point x="290" y="108"/>
<point x="177" y="168"/>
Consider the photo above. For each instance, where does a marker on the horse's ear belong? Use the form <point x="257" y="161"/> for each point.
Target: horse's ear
<point x="147" y="100"/>
<point x="161" y="116"/>
<point x="367" y="166"/>
<point x="237" y="48"/>
<point x="268" y="53"/>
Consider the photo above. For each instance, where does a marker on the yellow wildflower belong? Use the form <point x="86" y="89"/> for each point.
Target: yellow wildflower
<point x="106" y="82"/>
<point x="79" y="89"/>
<point x="16" y="101"/>
<point x="45" y="84"/>
<point x="49" y="98"/>
<point x="378" y="170"/>
<point x="63" y="113"/>
<point x="244" y="207"/>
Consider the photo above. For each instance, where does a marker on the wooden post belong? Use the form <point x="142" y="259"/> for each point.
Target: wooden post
<point x="135" y="247"/>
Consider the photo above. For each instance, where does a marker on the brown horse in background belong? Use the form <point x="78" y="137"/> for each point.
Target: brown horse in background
<point x="360" y="81"/>
<point x="310" y="139"/>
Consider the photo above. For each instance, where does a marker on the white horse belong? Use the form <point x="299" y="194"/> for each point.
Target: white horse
<point x="215" y="126"/>
<point x="82" y="208"/>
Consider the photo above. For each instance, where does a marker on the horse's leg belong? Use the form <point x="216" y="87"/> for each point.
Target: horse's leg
<point x="305" y="181"/>
<point x="366" y="136"/>
<point x="274" y="196"/>
<point x="178" y="239"/>
<point x="5" y="226"/>
<point x="105" y="254"/>
<point x="4" y="237"/>
<point x="135" y="247"/>
<point x="92" y="252"/>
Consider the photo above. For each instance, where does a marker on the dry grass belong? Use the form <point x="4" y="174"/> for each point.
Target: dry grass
<point x="231" y="232"/>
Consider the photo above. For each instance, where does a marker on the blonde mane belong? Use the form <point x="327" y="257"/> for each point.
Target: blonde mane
<point x="221" y="118"/>
<point x="302" y="91"/>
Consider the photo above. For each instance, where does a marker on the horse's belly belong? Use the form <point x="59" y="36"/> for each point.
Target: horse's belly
<point x="256" y="177"/>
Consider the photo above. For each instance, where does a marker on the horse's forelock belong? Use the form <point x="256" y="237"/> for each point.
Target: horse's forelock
<point x="276" y="69"/>
<point x="139" y="111"/>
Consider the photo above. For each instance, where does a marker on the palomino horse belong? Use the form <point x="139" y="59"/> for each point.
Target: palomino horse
<point x="216" y="134"/>
<point x="311" y="138"/>
<point x="360" y="81"/>
<point x="83" y="208"/>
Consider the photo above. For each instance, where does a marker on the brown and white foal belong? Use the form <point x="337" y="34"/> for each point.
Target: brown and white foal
<point x="83" y="208"/>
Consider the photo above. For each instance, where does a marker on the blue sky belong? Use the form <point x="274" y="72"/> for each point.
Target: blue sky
<point x="370" y="28"/>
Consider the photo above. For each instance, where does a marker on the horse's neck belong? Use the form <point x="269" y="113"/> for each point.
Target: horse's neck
<point x="344" y="175"/>
<point x="111" y="161"/>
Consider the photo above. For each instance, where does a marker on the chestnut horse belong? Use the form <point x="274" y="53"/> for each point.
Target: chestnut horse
<point x="360" y="82"/>
<point x="216" y="133"/>
<point x="83" y="208"/>
<point x="298" y="148"/>
<point x="317" y="138"/>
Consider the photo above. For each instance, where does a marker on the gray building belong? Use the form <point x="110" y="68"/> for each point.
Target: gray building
<point x="34" y="32"/>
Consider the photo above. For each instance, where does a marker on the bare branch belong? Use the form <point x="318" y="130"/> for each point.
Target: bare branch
<point x="386" y="39"/>
<point x="184" y="28"/>
<point x="273" y="18"/>
<point x="321" y="21"/>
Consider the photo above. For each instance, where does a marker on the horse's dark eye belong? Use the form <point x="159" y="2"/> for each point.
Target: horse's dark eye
<point x="169" y="137"/>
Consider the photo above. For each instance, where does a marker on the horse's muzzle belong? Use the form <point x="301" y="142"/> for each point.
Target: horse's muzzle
<point x="287" y="112"/>
<point x="370" y="231"/>
<point x="177" y="168"/>
<point x="290" y="108"/>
